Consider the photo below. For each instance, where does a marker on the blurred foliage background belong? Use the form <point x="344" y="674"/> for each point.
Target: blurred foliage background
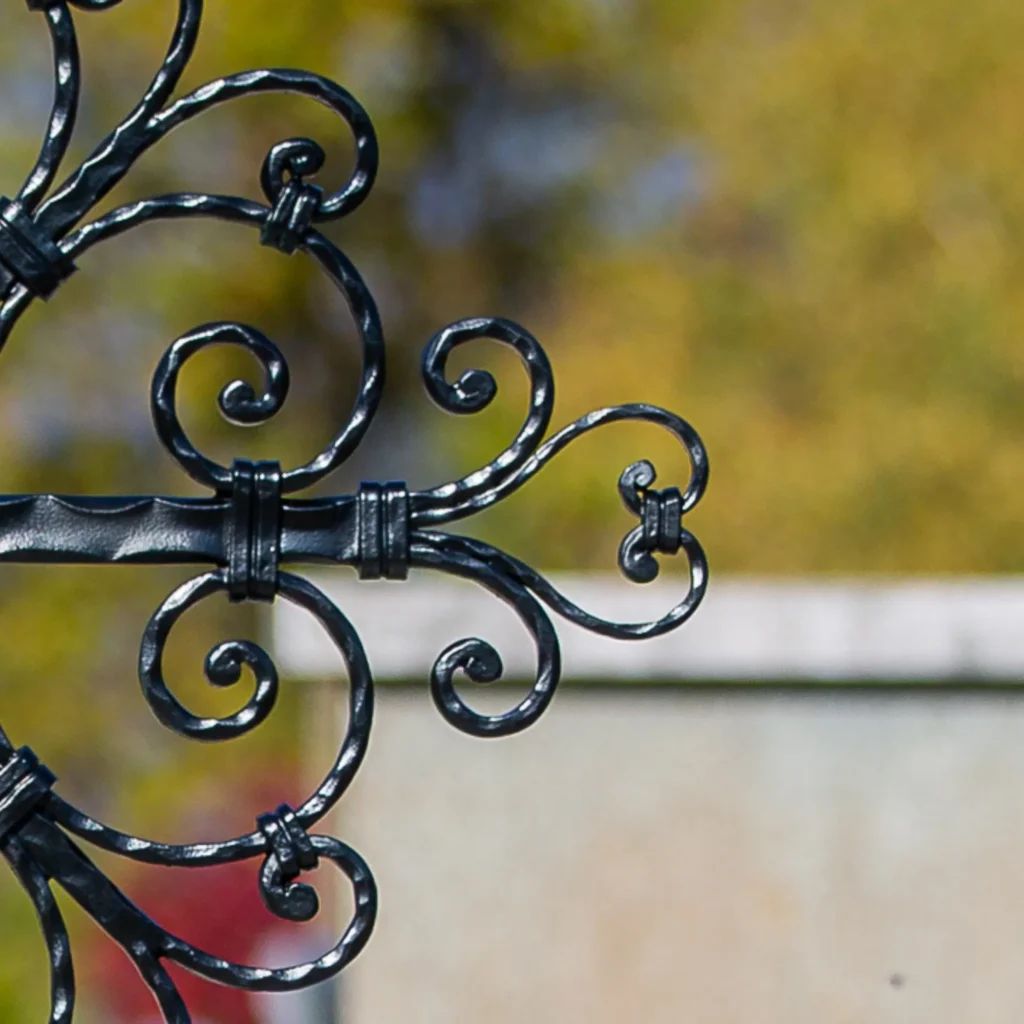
<point x="796" y="222"/>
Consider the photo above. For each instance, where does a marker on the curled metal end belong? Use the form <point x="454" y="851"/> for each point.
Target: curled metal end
<point x="295" y="205"/>
<point x="661" y="523"/>
<point x="290" y="852"/>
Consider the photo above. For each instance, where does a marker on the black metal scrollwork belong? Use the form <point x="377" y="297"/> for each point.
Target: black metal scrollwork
<point x="249" y="527"/>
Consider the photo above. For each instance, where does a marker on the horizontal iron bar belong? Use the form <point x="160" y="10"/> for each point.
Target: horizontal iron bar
<point x="162" y="530"/>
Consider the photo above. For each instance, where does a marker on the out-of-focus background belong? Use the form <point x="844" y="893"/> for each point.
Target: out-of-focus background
<point x="799" y="224"/>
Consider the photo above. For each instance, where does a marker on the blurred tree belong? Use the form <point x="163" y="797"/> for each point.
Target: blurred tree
<point x="796" y="222"/>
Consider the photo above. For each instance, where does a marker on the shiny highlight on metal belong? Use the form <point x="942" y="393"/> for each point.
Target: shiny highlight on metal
<point x="251" y="524"/>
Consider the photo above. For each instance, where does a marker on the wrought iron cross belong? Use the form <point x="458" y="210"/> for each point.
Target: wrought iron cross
<point x="251" y="524"/>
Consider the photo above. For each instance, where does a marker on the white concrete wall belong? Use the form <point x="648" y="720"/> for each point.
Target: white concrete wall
<point x="698" y="857"/>
<point x="917" y="630"/>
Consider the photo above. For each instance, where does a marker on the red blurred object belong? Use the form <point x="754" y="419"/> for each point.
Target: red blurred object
<point x="217" y="909"/>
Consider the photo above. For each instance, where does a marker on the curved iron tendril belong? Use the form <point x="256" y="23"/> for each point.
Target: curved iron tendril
<point x="247" y="527"/>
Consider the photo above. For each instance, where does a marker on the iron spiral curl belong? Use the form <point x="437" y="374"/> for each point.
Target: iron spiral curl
<point x="248" y="526"/>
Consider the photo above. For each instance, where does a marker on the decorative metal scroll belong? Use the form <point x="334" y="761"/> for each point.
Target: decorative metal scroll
<point x="251" y="524"/>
